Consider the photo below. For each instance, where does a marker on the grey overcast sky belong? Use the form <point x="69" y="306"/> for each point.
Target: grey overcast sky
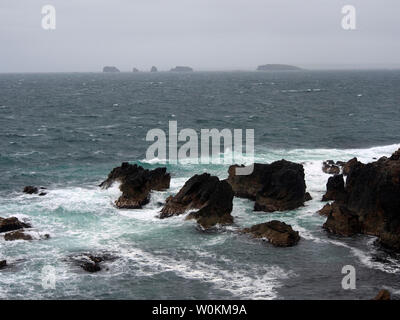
<point x="203" y="34"/>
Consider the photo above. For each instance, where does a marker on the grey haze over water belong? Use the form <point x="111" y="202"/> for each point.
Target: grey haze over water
<point x="205" y="34"/>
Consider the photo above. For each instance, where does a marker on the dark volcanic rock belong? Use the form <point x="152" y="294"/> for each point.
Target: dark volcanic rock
<point x="31" y="190"/>
<point x="92" y="262"/>
<point x="330" y="167"/>
<point x="349" y="165"/>
<point x="372" y="204"/>
<point x="91" y="267"/>
<point x="3" y="264"/>
<point x="17" y="235"/>
<point x="395" y="156"/>
<point x="326" y="210"/>
<point x="11" y="224"/>
<point x="335" y="189"/>
<point x="278" y="186"/>
<point x="341" y="221"/>
<point x="307" y="197"/>
<point x="383" y="295"/>
<point x="136" y="184"/>
<point x="278" y="233"/>
<point x="207" y="193"/>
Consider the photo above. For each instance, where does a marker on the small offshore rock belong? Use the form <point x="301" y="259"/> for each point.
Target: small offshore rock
<point x="278" y="233"/>
<point x="11" y="224"/>
<point x="17" y="235"/>
<point x="31" y="190"/>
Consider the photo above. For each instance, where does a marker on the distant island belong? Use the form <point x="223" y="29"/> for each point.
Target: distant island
<point x="277" y="67"/>
<point x="153" y="69"/>
<point x="110" y="69"/>
<point x="181" y="69"/>
<point x="135" y="70"/>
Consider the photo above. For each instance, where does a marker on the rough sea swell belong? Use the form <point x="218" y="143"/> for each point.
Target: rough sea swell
<point x="67" y="131"/>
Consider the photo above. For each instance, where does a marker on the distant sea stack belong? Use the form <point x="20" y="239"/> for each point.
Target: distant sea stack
<point x="153" y="69"/>
<point x="110" y="69"/>
<point x="277" y="67"/>
<point x="135" y="70"/>
<point x="182" y="69"/>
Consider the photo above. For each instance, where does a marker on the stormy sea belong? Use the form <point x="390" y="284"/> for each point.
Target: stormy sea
<point x="66" y="131"/>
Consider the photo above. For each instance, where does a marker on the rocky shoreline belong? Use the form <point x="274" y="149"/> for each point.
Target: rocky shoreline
<point x="361" y="199"/>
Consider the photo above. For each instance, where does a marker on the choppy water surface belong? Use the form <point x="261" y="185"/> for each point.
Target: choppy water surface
<point x="67" y="131"/>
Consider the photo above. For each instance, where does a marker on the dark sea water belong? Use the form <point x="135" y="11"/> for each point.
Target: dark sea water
<point x="67" y="131"/>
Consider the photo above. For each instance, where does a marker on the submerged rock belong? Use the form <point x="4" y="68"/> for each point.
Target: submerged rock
<point x="335" y="189"/>
<point x="11" y="224"/>
<point x="278" y="233"/>
<point x="207" y="193"/>
<point x="17" y="235"/>
<point x="92" y="262"/>
<point x="383" y="295"/>
<point x="136" y="184"/>
<point x="278" y="186"/>
<point x="372" y="203"/>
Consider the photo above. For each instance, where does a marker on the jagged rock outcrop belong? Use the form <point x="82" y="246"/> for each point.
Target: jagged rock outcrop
<point x="335" y="188"/>
<point x="11" y="224"/>
<point x="276" y="232"/>
<point x="278" y="186"/>
<point x="372" y="202"/>
<point x="349" y="165"/>
<point x="341" y="221"/>
<point x="136" y="184"/>
<point x="326" y="210"/>
<point x="330" y="167"/>
<point x="207" y="193"/>
<point x="3" y="264"/>
<point x="110" y="69"/>
<point x="383" y="295"/>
